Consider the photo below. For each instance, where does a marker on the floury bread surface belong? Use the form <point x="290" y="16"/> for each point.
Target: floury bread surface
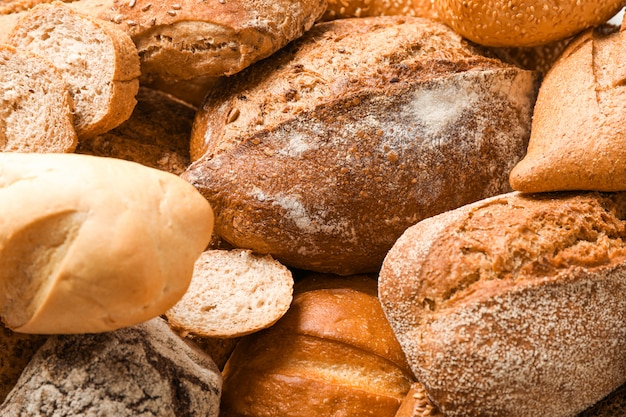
<point x="91" y="244"/>
<point x="323" y="154"/>
<point x="513" y="306"/>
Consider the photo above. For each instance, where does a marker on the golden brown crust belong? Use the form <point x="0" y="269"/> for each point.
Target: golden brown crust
<point x="501" y="304"/>
<point x="342" y="9"/>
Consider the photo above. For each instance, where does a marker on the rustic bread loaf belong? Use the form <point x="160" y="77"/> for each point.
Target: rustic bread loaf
<point x="91" y="244"/>
<point x="332" y="354"/>
<point x="144" y="370"/>
<point x="517" y="23"/>
<point x="324" y="153"/>
<point x="578" y="139"/>
<point x="98" y="61"/>
<point x="36" y="110"/>
<point x="513" y="306"/>
<point x="186" y="39"/>
<point x="342" y="9"/>
<point x="156" y="134"/>
<point x="232" y="293"/>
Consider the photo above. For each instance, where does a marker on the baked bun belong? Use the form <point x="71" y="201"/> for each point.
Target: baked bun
<point x="519" y="23"/>
<point x="188" y="39"/>
<point x="332" y="354"/>
<point x="36" y="109"/>
<point x="514" y="305"/>
<point x="97" y="60"/>
<point x="578" y="141"/>
<point x="93" y="244"/>
<point x="342" y="9"/>
<point x="324" y="153"/>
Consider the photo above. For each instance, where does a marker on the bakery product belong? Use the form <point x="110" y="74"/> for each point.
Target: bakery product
<point x="322" y="154"/>
<point x="232" y="293"/>
<point x="513" y="306"/>
<point x="332" y="354"/>
<point x="614" y="405"/>
<point x="103" y="88"/>
<point x="342" y="9"/>
<point x="188" y="39"/>
<point x="156" y="134"/>
<point x="518" y="23"/>
<point x="93" y="244"/>
<point x="537" y="58"/>
<point x="144" y="370"/>
<point x="417" y="404"/>
<point x="36" y="110"/>
<point x="578" y="141"/>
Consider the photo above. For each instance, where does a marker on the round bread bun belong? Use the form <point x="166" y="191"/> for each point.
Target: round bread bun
<point x="521" y="23"/>
<point x="341" y="9"/>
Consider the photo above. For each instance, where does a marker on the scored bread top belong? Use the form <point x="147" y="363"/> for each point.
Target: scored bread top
<point x="98" y="62"/>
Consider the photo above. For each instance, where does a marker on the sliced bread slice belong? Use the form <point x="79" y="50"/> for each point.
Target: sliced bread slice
<point x="35" y="106"/>
<point x="99" y="62"/>
<point x="233" y="293"/>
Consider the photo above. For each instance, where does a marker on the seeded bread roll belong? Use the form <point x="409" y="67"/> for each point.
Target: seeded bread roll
<point x="91" y="244"/>
<point x="324" y="153"/>
<point x="520" y="23"/>
<point x="513" y="306"/>
<point x="342" y="9"/>
<point x="36" y="109"/>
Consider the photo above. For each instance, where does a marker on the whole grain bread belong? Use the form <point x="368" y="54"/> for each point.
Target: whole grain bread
<point x="513" y="306"/>
<point x="324" y="153"/>
<point x="97" y="60"/>
<point x="231" y="294"/>
<point x="36" y="110"/>
<point x="578" y="140"/>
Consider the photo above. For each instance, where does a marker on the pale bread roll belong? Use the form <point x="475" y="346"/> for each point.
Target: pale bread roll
<point x="578" y="140"/>
<point x="36" y="109"/>
<point x="91" y="244"/>
<point x="97" y="60"/>
<point x="232" y="294"/>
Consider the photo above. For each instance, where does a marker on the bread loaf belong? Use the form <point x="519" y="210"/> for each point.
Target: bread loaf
<point x="324" y="153"/>
<point x="518" y="23"/>
<point x="342" y="9"/>
<point x="92" y="244"/>
<point x="513" y="306"/>
<point x="97" y="60"/>
<point x="36" y="110"/>
<point x="144" y="370"/>
<point x="332" y="354"/>
<point x="578" y="141"/>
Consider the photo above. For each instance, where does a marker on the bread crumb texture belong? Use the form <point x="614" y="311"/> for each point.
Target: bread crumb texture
<point x="513" y="306"/>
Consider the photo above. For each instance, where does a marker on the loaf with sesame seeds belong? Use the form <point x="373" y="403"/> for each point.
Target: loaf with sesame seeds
<point x="513" y="306"/>
<point x="516" y="23"/>
<point x="341" y="9"/>
<point x="324" y="153"/>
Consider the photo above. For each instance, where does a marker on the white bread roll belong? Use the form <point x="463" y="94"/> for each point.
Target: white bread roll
<point x="91" y="244"/>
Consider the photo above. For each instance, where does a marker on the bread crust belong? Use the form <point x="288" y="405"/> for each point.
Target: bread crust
<point x="342" y="9"/>
<point x="513" y="306"/>
<point x="324" y="166"/>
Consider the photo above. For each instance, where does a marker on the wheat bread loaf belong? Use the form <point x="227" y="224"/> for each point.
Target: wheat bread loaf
<point x="143" y="370"/>
<point x="97" y="60"/>
<point x="342" y="9"/>
<point x="92" y="244"/>
<point x="518" y="23"/>
<point x="156" y="134"/>
<point x="36" y="110"/>
<point x="232" y="293"/>
<point x="332" y="354"/>
<point x="513" y="306"/>
<point x="189" y="39"/>
<point x="578" y="137"/>
<point x="322" y="154"/>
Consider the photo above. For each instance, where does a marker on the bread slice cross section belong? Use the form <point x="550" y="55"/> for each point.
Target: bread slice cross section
<point x="98" y="61"/>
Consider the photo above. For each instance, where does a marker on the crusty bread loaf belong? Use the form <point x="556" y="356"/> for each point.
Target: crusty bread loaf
<point x="36" y="110"/>
<point x="342" y="9"/>
<point x="518" y="23"/>
<point x="322" y="154"/>
<point x="514" y="305"/>
<point x="156" y="134"/>
<point x="187" y="39"/>
<point x="578" y="141"/>
<point x="98" y="61"/>
<point x="92" y="244"/>
<point x="232" y="294"/>
<point x="144" y="370"/>
<point x="332" y="354"/>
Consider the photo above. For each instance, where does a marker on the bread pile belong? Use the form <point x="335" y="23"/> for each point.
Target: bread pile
<point x="313" y="207"/>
